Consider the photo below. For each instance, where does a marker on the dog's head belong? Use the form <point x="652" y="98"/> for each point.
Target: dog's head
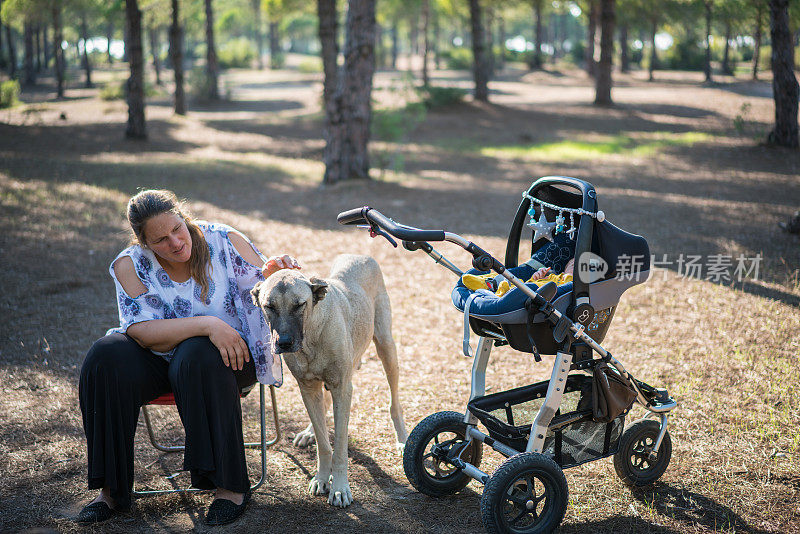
<point x="287" y="298"/>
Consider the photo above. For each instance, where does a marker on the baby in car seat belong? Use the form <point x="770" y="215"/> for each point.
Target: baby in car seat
<point x="500" y="285"/>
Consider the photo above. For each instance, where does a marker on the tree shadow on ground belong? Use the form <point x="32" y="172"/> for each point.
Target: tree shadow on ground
<point x="692" y="508"/>
<point x="236" y="105"/>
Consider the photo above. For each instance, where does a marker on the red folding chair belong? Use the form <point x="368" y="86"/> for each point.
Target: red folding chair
<point x="169" y="400"/>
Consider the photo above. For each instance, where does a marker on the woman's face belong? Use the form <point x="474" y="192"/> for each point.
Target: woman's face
<point x="167" y="236"/>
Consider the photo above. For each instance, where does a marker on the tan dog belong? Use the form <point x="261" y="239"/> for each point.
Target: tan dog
<point x="322" y="327"/>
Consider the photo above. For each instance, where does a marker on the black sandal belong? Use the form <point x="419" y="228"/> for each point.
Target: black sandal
<point x="96" y="512"/>
<point x="223" y="511"/>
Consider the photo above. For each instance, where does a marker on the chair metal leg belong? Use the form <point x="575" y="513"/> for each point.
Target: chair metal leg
<point x="263" y="444"/>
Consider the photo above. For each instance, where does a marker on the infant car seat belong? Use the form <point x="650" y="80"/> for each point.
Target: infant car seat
<point x="626" y="257"/>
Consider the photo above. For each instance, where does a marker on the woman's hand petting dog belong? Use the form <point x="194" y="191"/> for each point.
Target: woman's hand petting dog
<point x="276" y="263"/>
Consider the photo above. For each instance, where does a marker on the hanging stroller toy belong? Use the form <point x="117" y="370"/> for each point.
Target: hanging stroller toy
<point x="575" y="417"/>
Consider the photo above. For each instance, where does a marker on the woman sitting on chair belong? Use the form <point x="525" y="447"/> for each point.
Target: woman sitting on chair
<point x="187" y="326"/>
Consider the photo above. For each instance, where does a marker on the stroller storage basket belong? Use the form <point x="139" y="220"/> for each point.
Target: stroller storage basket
<point x="573" y="438"/>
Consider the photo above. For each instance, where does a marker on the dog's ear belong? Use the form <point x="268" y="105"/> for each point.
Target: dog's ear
<point x="254" y="293"/>
<point x="319" y="288"/>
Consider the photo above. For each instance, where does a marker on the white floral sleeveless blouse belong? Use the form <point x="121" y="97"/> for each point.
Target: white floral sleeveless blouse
<point x="230" y="282"/>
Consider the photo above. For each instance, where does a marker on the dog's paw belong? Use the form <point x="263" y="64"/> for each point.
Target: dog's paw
<point x="318" y="486"/>
<point x="401" y="447"/>
<point x="304" y="438"/>
<point x="340" y="495"/>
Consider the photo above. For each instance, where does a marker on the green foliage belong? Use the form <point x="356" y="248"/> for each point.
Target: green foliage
<point x="685" y="54"/>
<point x="236" y="53"/>
<point x="394" y="125"/>
<point x="198" y="85"/>
<point x="457" y="58"/>
<point x="9" y="93"/>
<point x="436" y="97"/>
<point x="310" y="65"/>
<point x="117" y="90"/>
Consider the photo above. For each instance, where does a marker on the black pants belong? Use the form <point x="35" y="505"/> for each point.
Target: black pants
<point x="118" y="377"/>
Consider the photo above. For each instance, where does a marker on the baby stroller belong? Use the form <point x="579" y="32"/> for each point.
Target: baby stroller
<point x="579" y="414"/>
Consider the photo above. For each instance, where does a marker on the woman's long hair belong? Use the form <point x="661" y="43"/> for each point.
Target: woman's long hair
<point x="147" y="204"/>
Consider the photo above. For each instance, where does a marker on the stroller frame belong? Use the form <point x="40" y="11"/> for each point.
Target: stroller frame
<point x="567" y="358"/>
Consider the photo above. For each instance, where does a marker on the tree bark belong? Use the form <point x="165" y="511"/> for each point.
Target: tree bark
<point x="212" y="67"/>
<point x="3" y="60"/>
<point x="536" y="60"/>
<point x="58" y="52"/>
<point x="176" y="57"/>
<point x="426" y="16"/>
<point x="259" y="33"/>
<point x="785" y="89"/>
<point x="274" y="45"/>
<point x="30" y="70"/>
<point x="501" y="33"/>
<point x="489" y="33"/>
<point x="726" y="67"/>
<point x="624" y="57"/>
<point x="480" y="63"/>
<point x="12" y="53"/>
<point x="603" y="80"/>
<point x="437" y="60"/>
<point x="46" y="46"/>
<point x="348" y="129"/>
<point x="109" y="38"/>
<point x="87" y="66"/>
<point x="37" y="41"/>
<point x="757" y="39"/>
<point x="707" y="4"/>
<point x="154" y="46"/>
<point x="653" y="55"/>
<point x="395" y="43"/>
<point x="136" y="128"/>
<point x="326" y="14"/>
<point x="591" y="37"/>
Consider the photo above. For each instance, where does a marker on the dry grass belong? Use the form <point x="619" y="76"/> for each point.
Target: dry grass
<point x="729" y="354"/>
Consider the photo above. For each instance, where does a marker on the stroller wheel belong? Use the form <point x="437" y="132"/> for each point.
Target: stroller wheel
<point x="527" y="494"/>
<point x="439" y="436"/>
<point x="633" y="463"/>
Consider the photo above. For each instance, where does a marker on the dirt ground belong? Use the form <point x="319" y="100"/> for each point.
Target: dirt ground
<point x="674" y="161"/>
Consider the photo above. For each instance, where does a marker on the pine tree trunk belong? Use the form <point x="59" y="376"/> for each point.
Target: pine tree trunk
<point x="259" y="33"/>
<point x="591" y="37"/>
<point x="348" y="131"/>
<point x="30" y="70"/>
<point x="501" y="31"/>
<point x="176" y="58"/>
<point x="603" y="80"/>
<point x="653" y="55"/>
<point x="785" y="89"/>
<point x="136" y="123"/>
<point x="12" y="53"/>
<point x="37" y="40"/>
<point x="489" y="39"/>
<point x="437" y="60"/>
<point x="395" y="44"/>
<point x="707" y="64"/>
<point x="3" y="60"/>
<point x="624" y="57"/>
<point x="326" y="14"/>
<point x="58" y="52"/>
<point x="87" y="66"/>
<point x="536" y="62"/>
<point x="757" y="39"/>
<point x="154" y="46"/>
<point x="46" y="46"/>
<point x="726" y="67"/>
<point x="426" y="16"/>
<point x="109" y="38"/>
<point x="212" y="67"/>
<point x="274" y="45"/>
<point x="480" y="64"/>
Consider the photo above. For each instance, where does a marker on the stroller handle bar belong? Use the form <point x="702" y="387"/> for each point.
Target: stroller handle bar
<point x="373" y="218"/>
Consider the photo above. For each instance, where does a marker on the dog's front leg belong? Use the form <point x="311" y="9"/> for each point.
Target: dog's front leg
<point x="313" y="399"/>
<point x="340" y="494"/>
